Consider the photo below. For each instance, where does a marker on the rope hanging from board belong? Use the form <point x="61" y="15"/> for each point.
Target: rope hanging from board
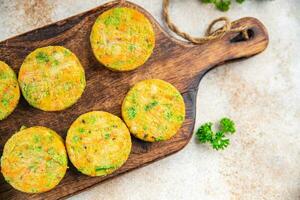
<point x="210" y="34"/>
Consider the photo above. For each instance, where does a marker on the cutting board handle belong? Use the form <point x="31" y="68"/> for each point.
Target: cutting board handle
<point x="196" y="59"/>
<point x="239" y="47"/>
<point x="233" y="45"/>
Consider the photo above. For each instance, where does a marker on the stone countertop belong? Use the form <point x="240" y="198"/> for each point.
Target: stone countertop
<point x="261" y="94"/>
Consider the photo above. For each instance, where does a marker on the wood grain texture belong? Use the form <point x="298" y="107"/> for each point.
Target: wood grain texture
<point x="179" y="63"/>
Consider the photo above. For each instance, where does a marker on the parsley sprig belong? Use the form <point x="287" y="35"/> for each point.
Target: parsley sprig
<point x="222" y="5"/>
<point x="217" y="140"/>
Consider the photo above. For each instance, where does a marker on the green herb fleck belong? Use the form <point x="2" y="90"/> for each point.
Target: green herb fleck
<point x="131" y="47"/>
<point x="59" y="159"/>
<point x="112" y="20"/>
<point x="5" y="102"/>
<point x="168" y="115"/>
<point x="92" y="119"/>
<point x="33" y="190"/>
<point x="67" y="86"/>
<point x="76" y="138"/>
<point x="217" y="140"/>
<point x="3" y="75"/>
<point x="42" y="57"/>
<point x="29" y="90"/>
<point x="51" y="151"/>
<point x="106" y="136"/>
<point x="100" y="168"/>
<point x="157" y="139"/>
<point x="36" y="138"/>
<point x="81" y="130"/>
<point x="151" y="105"/>
<point x="149" y="46"/>
<point x="33" y="167"/>
<point x="131" y="112"/>
<point x="55" y="63"/>
<point x="133" y="97"/>
<point x="67" y="52"/>
<point x="180" y="118"/>
<point x="38" y="149"/>
<point x="115" y="18"/>
<point x="145" y="128"/>
<point x="117" y="64"/>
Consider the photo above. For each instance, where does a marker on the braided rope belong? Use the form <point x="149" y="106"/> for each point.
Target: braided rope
<point x="210" y="35"/>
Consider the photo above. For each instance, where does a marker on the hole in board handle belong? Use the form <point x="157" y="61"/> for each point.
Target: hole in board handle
<point x="240" y="37"/>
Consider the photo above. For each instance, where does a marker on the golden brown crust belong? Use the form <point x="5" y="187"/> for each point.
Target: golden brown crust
<point x="9" y="90"/>
<point x="153" y="110"/>
<point x="122" y="39"/>
<point x="51" y="78"/>
<point x="98" y="143"/>
<point x="34" y="160"/>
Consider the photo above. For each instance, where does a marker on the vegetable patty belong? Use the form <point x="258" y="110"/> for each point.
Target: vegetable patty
<point x="9" y="90"/>
<point x="153" y="110"/>
<point x="34" y="160"/>
<point x="52" y="78"/>
<point x="98" y="143"/>
<point x="122" y="39"/>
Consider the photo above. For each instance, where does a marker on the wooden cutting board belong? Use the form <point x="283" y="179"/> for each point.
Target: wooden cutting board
<point x="179" y="63"/>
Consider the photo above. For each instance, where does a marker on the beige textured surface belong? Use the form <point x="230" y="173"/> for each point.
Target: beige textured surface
<point x="261" y="94"/>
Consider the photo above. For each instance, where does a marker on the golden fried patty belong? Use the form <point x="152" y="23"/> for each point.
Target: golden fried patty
<point x="52" y="78"/>
<point x="34" y="160"/>
<point x="98" y="143"/>
<point x="122" y="39"/>
<point x="153" y="110"/>
<point x="9" y="90"/>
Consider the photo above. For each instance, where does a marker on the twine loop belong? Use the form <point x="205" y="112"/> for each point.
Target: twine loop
<point x="210" y="34"/>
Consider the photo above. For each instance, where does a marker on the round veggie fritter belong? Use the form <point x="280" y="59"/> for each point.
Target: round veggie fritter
<point x="122" y="39"/>
<point x="9" y="90"/>
<point x="34" y="160"/>
<point x="52" y="78"/>
<point x="98" y="143"/>
<point x="153" y="110"/>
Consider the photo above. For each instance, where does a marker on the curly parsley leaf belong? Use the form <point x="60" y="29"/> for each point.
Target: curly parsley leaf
<point x="222" y="5"/>
<point x="217" y="140"/>
<point x="205" y="133"/>
<point x="227" y="125"/>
